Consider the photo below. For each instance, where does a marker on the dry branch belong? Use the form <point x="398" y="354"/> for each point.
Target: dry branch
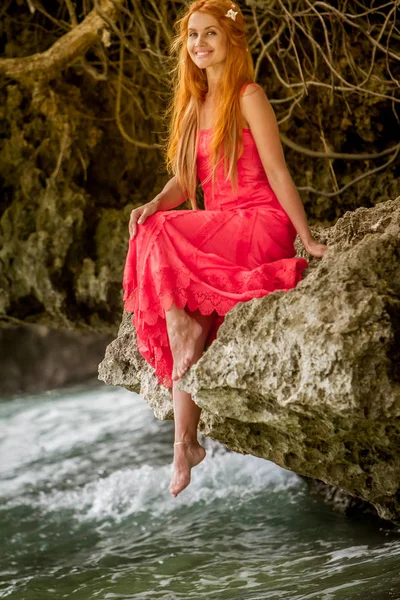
<point x="65" y="51"/>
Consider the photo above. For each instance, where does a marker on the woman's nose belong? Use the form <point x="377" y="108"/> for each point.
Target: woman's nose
<point x="200" y="41"/>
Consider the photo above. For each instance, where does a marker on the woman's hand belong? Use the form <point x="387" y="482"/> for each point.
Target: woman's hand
<point x="314" y="248"/>
<point x="140" y="214"/>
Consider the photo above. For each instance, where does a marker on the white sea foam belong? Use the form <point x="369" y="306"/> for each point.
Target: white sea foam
<point x="38" y="433"/>
<point x="366" y="553"/>
<point x="126" y="492"/>
<point x="50" y="426"/>
<point x="55" y="460"/>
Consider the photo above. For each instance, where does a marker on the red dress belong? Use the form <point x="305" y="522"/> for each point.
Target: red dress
<point x="237" y="249"/>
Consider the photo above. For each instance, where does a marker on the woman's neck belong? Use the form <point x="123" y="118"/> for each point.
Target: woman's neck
<point x="210" y="95"/>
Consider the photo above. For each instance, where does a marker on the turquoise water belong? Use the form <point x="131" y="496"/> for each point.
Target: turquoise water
<point x="86" y="514"/>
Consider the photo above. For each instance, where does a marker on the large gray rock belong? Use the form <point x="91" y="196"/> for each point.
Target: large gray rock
<point x="308" y="378"/>
<point x="34" y="358"/>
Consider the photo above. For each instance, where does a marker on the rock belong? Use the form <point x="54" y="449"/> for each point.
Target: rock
<point x="69" y="184"/>
<point x="34" y="358"/>
<point x="341" y="501"/>
<point x="125" y="367"/>
<point x="308" y="378"/>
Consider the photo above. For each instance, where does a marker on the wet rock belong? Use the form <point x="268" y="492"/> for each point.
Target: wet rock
<point x="308" y="378"/>
<point x="34" y="358"/>
<point x="341" y="501"/>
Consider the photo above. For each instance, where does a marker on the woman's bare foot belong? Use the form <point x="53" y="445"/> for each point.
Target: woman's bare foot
<point x="186" y="456"/>
<point x="183" y="333"/>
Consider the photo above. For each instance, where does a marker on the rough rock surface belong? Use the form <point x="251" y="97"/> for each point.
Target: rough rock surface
<point x="308" y="378"/>
<point x="34" y="358"/>
<point x="68" y="185"/>
<point x="342" y="502"/>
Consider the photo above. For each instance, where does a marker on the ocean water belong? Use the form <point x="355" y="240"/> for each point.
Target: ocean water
<point x="86" y="514"/>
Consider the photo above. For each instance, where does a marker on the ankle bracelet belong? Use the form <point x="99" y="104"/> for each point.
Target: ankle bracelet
<point x="186" y="442"/>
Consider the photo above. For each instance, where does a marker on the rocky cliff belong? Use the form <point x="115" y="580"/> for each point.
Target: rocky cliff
<point x="308" y="378"/>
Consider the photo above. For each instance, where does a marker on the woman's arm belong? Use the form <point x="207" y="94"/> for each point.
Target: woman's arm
<point x="170" y="196"/>
<point x="260" y="115"/>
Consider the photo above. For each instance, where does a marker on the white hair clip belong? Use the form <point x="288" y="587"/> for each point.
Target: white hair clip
<point x="231" y="14"/>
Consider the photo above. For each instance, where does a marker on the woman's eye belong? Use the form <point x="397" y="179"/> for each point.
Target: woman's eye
<point x="193" y="33"/>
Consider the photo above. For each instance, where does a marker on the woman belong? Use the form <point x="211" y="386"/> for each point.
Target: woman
<point x="186" y="269"/>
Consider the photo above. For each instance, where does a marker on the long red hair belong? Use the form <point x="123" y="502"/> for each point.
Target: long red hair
<point x="190" y="86"/>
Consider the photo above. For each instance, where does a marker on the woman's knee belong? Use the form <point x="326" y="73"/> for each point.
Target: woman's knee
<point x="206" y="322"/>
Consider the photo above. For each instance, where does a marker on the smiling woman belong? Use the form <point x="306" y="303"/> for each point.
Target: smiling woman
<point x="202" y="44"/>
<point x="186" y="269"/>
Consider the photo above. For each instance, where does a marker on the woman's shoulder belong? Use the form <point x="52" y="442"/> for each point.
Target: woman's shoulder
<point x="249" y="88"/>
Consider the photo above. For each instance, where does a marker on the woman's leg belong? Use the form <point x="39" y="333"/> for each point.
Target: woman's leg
<point x="183" y="332"/>
<point x="187" y="413"/>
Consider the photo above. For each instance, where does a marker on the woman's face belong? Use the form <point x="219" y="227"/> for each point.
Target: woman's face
<point x="206" y="42"/>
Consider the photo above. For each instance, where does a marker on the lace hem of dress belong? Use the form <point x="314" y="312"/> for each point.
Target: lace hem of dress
<point x="185" y="290"/>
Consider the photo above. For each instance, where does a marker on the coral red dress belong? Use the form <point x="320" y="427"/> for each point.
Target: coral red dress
<point x="237" y="249"/>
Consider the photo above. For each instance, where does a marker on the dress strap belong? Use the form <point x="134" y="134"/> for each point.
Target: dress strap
<point x="248" y="83"/>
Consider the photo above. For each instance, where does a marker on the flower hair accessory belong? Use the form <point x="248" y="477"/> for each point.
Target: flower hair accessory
<point x="231" y="13"/>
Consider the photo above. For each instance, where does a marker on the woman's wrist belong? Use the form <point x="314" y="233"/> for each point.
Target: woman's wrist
<point x="156" y="201"/>
<point x="306" y="236"/>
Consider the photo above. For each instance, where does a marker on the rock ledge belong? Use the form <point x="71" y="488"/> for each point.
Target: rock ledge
<point x="308" y="378"/>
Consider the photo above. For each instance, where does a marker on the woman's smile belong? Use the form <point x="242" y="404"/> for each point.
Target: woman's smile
<point x="203" y="53"/>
